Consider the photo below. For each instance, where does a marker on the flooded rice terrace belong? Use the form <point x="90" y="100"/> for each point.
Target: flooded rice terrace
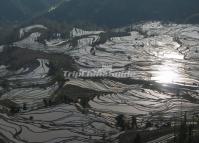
<point x="163" y="62"/>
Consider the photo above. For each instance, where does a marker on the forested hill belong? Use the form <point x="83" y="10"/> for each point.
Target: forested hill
<point x="121" y="12"/>
<point x="101" y="12"/>
<point x="19" y="10"/>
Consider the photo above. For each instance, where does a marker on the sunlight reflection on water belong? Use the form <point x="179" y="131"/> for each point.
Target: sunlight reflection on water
<point x="166" y="74"/>
<point x="169" y="71"/>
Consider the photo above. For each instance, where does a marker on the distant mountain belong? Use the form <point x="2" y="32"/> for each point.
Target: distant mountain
<point x="8" y="11"/>
<point x="100" y="12"/>
<point x="17" y="10"/>
<point x="121" y="12"/>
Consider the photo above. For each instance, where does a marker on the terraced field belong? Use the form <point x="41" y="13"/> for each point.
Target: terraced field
<point x="161" y="64"/>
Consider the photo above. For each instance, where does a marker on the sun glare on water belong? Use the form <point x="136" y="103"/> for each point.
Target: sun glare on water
<point x="167" y="76"/>
<point x="168" y="72"/>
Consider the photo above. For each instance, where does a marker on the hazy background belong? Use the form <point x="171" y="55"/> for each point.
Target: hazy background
<point x="100" y="12"/>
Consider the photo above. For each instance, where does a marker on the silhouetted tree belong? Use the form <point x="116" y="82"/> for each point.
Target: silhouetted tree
<point x="183" y="130"/>
<point x="74" y="42"/>
<point x="190" y="135"/>
<point x="148" y="124"/>
<point x="137" y="138"/>
<point x="56" y="72"/>
<point x="52" y="68"/>
<point x="92" y="51"/>
<point x="59" y="78"/>
<point x="24" y="106"/>
<point x="120" y="121"/>
<point x="129" y="58"/>
<point x="104" y="138"/>
<point x="5" y="84"/>
<point x="134" y="122"/>
<point x="31" y="118"/>
<point x="196" y="50"/>
<point x="14" y="109"/>
<point x="50" y="102"/>
<point x="45" y="102"/>
<point x="84" y="102"/>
